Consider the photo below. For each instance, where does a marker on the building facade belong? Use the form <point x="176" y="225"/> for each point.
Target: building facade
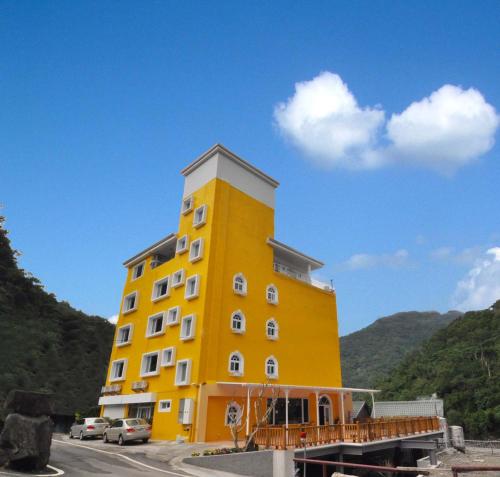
<point x="221" y="311"/>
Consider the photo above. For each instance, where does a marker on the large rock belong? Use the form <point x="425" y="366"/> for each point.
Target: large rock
<point x="29" y="403"/>
<point x="26" y="441"/>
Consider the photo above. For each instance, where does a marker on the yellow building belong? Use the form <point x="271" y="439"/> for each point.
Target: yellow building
<point x="215" y="310"/>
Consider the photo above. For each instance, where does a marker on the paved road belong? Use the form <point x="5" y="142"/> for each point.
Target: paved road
<point x="77" y="460"/>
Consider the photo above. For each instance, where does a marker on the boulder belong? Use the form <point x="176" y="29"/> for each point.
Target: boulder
<point x="29" y="403"/>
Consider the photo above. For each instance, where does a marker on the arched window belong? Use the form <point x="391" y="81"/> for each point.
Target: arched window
<point x="272" y="367"/>
<point x="272" y="294"/>
<point x="240" y="284"/>
<point x="236" y="364"/>
<point x="233" y="414"/>
<point x="238" y="322"/>
<point x="272" y="329"/>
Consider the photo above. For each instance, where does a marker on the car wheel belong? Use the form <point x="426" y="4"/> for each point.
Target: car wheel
<point x="105" y="438"/>
<point x="120" y="440"/>
<point x="145" y="441"/>
<point x="81" y="435"/>
<point x="70" y="435"/>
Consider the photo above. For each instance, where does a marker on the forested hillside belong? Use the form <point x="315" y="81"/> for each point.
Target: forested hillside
<point x="46" y="345"/>
<point x="461" y="363"/>
<point x="368" y="355"/>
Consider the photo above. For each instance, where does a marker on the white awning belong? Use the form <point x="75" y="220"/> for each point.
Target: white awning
<point x="299" y="387"/>
<point x="127" y="399"/>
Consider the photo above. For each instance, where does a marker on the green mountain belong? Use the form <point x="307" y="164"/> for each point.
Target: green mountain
<point x="461" y="363"/>
<point x="368" y="355"/>
<point x="46" y="345"/>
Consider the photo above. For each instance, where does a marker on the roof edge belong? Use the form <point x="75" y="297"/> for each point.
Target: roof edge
<point x="149" y="250"/>
<point x="275" y="243"/>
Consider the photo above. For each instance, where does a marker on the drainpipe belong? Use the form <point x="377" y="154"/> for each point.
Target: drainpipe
<point x="373" y="406"/>
<point x="286" y="417"/>
<point x="248" y="413"/>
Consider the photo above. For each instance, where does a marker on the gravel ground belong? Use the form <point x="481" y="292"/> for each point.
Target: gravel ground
<point x="472" y="456"/>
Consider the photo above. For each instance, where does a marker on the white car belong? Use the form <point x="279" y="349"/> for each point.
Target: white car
<point x="88" y="427"/>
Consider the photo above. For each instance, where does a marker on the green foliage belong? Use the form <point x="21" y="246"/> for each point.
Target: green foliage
<point x="461" y="363"/>
<point x="47" y="345"/>
<point x="370" y="354"/>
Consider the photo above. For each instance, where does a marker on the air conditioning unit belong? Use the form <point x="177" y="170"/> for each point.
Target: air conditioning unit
<point x="115" y="388"/>
<point x="139" y="385"/>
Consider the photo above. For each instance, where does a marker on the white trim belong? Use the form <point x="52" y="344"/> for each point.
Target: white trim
<point x="276" y="330"/>
<point x="198" y="223"/>
<point x="152" y="317"/>
<point x="150" y="373"/>
<point x="182" y="276"/>
<point x="323" y="389"/>
<point x="196" y="293"/>
<point x="156" y="284"/>
<point x="136" y="302"/>
<point x="186" y="382"/>
<point x="127" y="399"/>
<point x="185" y="210"/>
<point x="245" y="282"/>
<point x="178" y="248"/>
<point x="191" y="336"/>
<point x="177" y="316"/>
<point x="274" y="301"/>
<point x="241" y="364"/>
<point x="243" y="322"/>
<point x="124" y="370"/>
<point x="195" y="258"/>
<point x="164" y="363"/>
<point x="275" y="375"/>
<point x="135" y="267"/>
<point x="169" y="405"/>
<point x="119" y="344"/>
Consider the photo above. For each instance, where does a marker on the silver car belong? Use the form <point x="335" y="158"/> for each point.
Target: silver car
<point x="88" y="427"/>
<point x="125" y="430"/>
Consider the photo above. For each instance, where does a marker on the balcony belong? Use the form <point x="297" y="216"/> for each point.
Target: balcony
<point x="300" y="275"/>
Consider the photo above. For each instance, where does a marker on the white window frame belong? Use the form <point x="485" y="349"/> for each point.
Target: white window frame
<point x="240" y="292"/>
<point x="276" y="329"/>
<point x="156" y="284"/>
<point x="187" y="205"/>
<point x="145" y="374"/>
<point x="241" y="364"/>
<point x="203" y="219"/>
<point x="164" y="363"/>
<point x="276" y="371"/>
<point x="136" y="302"/>
<point x="178" y="248"/>
<point x="239" y="413"/>
<point x="169" y="322"/>
<point x="274" y="301"/>
<point x="150" y="334"/>
<point x="134" y="269"/>
<point x="178" y="278"/>
<point x="243" y="322"/>
<point x="194" y="258"/>
<point x="112" y="378"/>
<point x="130" y="327"/>
<point x="191" y="336"/>
<point x="187" y="380"/>
<point x="196" y="292"/>
<point x="168" y="407"/>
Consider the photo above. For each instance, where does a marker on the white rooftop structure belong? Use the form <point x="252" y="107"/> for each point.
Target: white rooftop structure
<point x="427" y="407"/>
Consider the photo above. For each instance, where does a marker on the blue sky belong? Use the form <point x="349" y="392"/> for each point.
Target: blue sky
<point x="102" y="104"/>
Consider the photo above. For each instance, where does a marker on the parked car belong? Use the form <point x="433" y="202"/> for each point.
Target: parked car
<point x="125" y="430"/>
<point x="88" y="427"/>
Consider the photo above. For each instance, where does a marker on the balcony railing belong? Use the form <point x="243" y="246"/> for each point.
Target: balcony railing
<point x="300" y="275"/>
<point x="281" y="437"/>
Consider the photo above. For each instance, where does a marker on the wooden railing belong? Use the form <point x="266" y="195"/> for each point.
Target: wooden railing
<point x="281" y="437"/>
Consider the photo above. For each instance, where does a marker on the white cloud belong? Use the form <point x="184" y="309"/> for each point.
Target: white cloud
<point x="443" y="131"/>
<point x="467" y="256"/>
<point x="480" y="288"/>
<point x="113" y="319"/>
<point x="363" y="261"/>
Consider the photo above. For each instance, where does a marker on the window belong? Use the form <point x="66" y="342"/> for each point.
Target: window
<point x="173" y="315"/>
<point x="192" y="287"/>
<point x="130" y="302"/>
<point x="155" y="325"/>
<point x="183" y="372"/>
<point x="238" y="322"/>
<point x="196" y="250"/>
<point x="182" y="244"/>
<point x="124" y="336"/>
<point x="118" y="370"/>
<point x="236" y="364"/>
<point x="187" y="327"/>
<point x="161" y="289"/>
<point x="150" y="362"/>
<point x="138" y="271"/>
<point x="239" y="284"/>
<point x="165" y="405"/>
<point x="187" y="205"/>
<point x="178" y="278"/>
<point x="168" y="356"/>
<point x="271" y="367"/>
<point x="233" y="413"/>
<point x="272" y="294"/>
<point x="272" y="329"/>
<point x="200" y="216"/>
